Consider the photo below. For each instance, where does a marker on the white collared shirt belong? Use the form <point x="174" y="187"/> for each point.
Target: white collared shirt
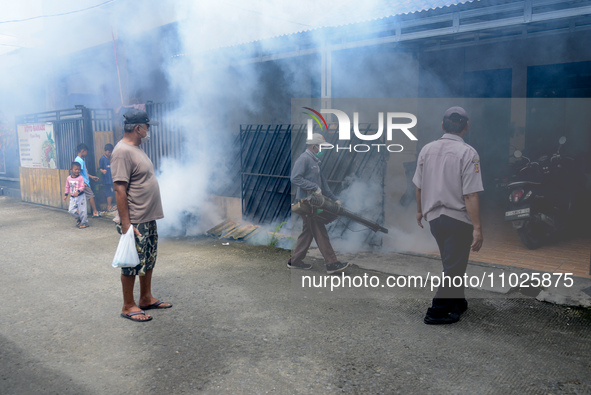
<point x="447" y="169"/>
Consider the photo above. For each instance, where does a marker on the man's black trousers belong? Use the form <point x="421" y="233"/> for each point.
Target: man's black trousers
<point x="454" y="239"/>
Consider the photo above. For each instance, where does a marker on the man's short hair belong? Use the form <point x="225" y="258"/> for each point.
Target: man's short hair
<point x="108" y="147"/>
<point x="82" y="147"/>
<point x="128" y="127"/>
<point x="74" y="164"/>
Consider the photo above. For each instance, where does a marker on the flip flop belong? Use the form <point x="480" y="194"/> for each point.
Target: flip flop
<point x="156" y="305"/>
<point x="82" y="226"/>
<point x="134" y="313"/>
<point x="99" y="214"/>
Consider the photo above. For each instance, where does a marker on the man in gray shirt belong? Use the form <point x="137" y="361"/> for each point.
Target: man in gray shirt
<point x="448" y="179"/>
<point x="307" y="176"/>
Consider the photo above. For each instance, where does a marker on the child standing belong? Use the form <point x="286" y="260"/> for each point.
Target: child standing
<point x="75" y="188"/>
<point x="105" y="167"/>
<point x="82" y="152"/>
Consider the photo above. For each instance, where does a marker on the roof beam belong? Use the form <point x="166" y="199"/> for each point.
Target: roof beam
<point x="458" y="22"/>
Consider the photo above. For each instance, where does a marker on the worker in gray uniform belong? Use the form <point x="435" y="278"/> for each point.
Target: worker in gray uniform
<point x="308" y="178"/>
<point x="448" y="179"/>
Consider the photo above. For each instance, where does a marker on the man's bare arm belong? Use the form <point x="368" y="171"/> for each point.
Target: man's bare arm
<point x="419" y="209"/>
<point x="122" y="206"/>
<point x="473" y="208"/>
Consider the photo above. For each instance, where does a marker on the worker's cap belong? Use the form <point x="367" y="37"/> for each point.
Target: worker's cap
<point x="456" y="114"/>
<point x="317" y="138"/>
<point x="136" y="117"/>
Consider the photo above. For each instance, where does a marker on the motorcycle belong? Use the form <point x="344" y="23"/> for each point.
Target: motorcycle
<point x="503" y="176"/>
<point x="541" y="200"/>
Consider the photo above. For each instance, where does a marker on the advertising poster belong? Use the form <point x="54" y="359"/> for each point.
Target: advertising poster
<point x="37" y="145"/>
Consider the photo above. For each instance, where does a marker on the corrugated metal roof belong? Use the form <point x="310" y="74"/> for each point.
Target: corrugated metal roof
<point x="351" y="12"/>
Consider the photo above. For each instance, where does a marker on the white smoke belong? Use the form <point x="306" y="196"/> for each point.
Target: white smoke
<point x="72" y="54"/>
<point x="217" y="95"/>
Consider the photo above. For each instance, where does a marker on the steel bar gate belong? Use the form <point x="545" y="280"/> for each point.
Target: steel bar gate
<point x="72" y="127"/>
<point x="266" y="161"/>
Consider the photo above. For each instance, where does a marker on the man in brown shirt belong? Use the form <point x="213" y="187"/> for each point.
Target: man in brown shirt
<point x="139" y="205"/>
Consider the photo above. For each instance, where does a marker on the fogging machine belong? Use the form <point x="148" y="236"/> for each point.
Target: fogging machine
<point x="327" y="211"/>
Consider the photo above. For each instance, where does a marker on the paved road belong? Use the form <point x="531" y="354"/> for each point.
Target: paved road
<point x="241" y="323"/>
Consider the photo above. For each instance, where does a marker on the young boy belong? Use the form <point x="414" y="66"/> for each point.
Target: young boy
<point x="105" y="167"/>
<point x="82" y="152"/>
<point x="75" y="188"/>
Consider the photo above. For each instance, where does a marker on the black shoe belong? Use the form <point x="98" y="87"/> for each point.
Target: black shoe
<point x="336" y="267"/>
<point x="460" y="307"/>
<point x="299" y="265"/>
<point x="439" y="317"/>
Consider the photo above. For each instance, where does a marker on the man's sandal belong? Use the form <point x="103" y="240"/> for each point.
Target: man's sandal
<point x="156" y="305"/>
<point x="134" y="313"/>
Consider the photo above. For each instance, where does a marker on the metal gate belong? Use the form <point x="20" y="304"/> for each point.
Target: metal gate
<point x="72" y="127"/>
<point x="166" y="140"/>
<point x="266" y="162"/>
<point x="265" y="156"/>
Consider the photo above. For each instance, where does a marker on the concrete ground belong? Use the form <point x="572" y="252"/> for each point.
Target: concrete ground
<point x="243" y="323"/>
<point x="559" y="288"/>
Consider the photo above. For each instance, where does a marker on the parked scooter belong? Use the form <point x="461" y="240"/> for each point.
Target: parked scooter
<point x="504" y="176"/>
<point x="541" y="201"/>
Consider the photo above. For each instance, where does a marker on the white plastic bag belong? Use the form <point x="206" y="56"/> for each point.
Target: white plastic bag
<point x="126" y="254"/>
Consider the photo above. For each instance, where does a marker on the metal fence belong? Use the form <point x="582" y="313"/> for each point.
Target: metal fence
<point x="102" y="119"/>
<point x="266" y="163"/>
<point x="265" y="156"/>
<point x="72" y="127"/>
<point x="166" y="139"/>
